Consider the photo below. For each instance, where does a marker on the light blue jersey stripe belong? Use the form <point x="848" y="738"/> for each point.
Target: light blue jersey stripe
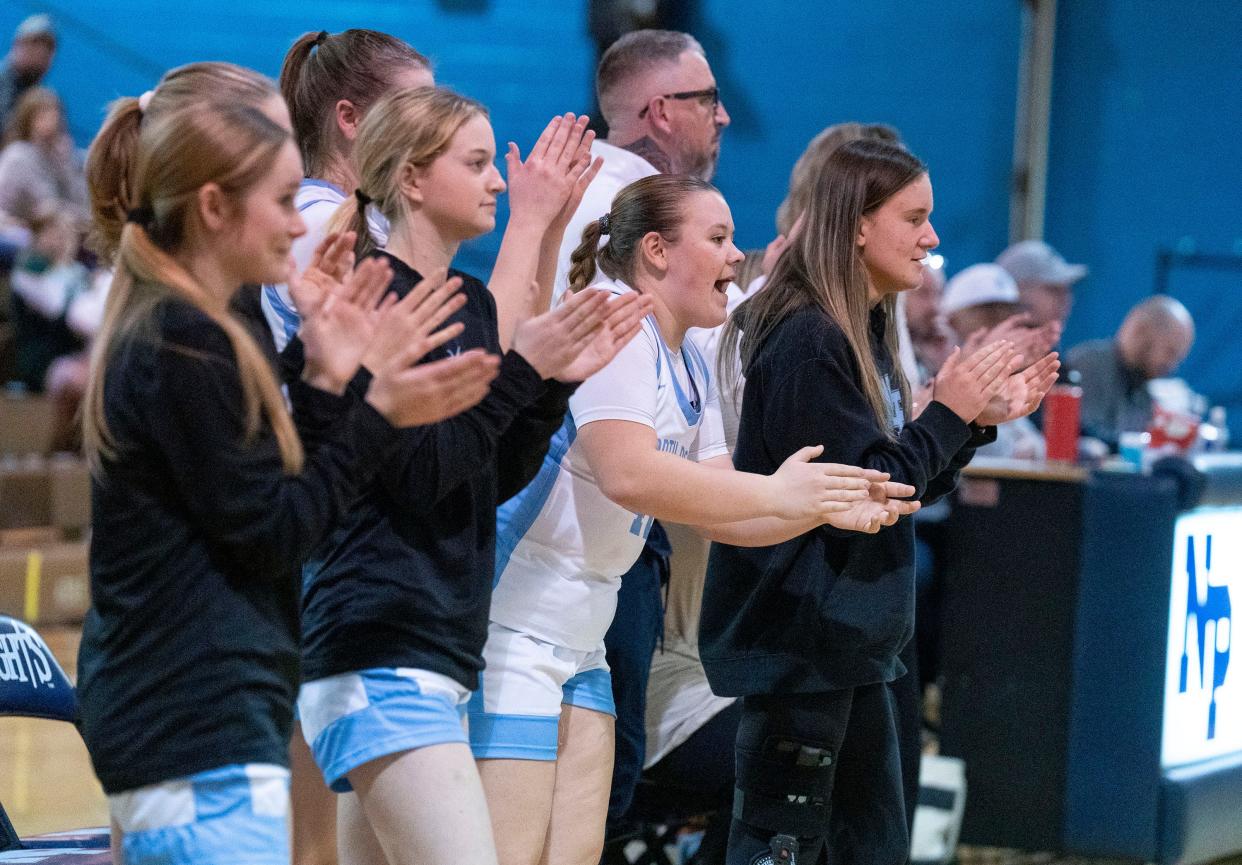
<point x="289" y="319"/>
<point x="322" y="184"/>
<point x="691" y="412"/>
<point x="515" y="517"/>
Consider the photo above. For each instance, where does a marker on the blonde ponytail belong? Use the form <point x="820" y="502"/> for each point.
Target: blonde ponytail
<point x="351" y="215"/>
<point x="232" y="146"/>
<point x="112" y="158"/>
<point x="109" y="175"/>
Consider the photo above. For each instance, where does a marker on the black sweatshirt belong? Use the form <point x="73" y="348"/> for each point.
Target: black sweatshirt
<point x="189" y="655"/>
<point x="406" y="580"/>
<point x="829" y="609"/>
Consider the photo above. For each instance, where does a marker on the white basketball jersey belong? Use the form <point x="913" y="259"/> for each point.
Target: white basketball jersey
<point x="561" y="544"/>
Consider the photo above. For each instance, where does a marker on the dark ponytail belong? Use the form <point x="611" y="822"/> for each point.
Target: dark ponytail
<point x="582" y="261"/>
<point x="291" y="70"/>
<point x="320" y="69"/>
<point x="655" y="203"/>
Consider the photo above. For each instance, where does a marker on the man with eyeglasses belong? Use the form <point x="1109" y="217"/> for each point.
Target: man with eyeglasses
<point x="659" y="97"/>
<point x="664" y="114"/>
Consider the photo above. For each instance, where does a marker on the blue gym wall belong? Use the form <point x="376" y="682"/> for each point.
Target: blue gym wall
<point x="1145" y="153"/>
<point x="1147" y="96"/>
<point x="944" y="73"/>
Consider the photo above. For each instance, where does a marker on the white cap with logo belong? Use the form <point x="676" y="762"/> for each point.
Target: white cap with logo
<point x="1036" y="261"/>
<point x="976" y="285"/>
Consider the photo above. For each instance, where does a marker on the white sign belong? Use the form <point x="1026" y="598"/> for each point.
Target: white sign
<point x="1203" y="689"/>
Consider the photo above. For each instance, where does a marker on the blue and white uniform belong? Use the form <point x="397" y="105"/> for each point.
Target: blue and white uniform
<point x="562" y="547"/>
<point x="316" y="201"/>
<point x="236" y="813"/>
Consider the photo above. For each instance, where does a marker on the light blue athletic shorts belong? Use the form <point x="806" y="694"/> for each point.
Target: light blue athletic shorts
<point x="516" y="710"/>
<point x="354" y="718"/>
<point x="237" y="814"/>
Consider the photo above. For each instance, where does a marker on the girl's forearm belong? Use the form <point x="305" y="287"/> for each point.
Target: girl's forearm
<point x="515" y="270"/>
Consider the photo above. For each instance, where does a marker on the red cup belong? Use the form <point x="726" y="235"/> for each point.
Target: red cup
<point x="1061" y="422"/>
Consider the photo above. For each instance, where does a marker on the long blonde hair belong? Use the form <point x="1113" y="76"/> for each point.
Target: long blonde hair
<point x="178" y="152"/>
<point x="110" y="162"/>
<point x="823" y="268"/>
<point x="411" y="126"/>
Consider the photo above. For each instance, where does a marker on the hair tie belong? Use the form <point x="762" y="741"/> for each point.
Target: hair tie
<point x="142" y="216"/>
<point x="603" y="224"/>
<point x="144" y="100"/>
<point x="321" y="38"/>
<point x="362" y="198"/>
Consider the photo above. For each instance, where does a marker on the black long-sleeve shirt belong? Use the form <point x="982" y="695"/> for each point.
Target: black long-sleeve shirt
<point x="406" y="581"/>
<point x="189" y="655"/>
<point x="829" y="609"/>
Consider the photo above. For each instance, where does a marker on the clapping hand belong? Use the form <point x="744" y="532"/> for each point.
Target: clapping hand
<point x="778" y="245"/>
<point x="624" y="320"/>
<point x="547" y="187"/>
<point x="887" y="501"/>
<point x="1022" y="392"/>
<point x="409" y="325"/>
<point x="1030" y="342"/>
<point x="967" y="383"/>
<point x="339" y="310"/>
<point x="552" y="341"/>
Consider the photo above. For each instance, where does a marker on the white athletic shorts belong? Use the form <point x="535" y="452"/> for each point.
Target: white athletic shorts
<point x="516" y="710"/>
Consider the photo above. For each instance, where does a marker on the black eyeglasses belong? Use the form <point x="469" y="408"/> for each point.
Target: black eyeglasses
<point x="712" y="93"/>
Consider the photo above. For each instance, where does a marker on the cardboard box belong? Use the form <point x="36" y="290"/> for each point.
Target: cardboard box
<point x="45" y="585"/>
<point x="25" y="424"/>
<point x="25" y="494"/>
<point x="69" y="480"/>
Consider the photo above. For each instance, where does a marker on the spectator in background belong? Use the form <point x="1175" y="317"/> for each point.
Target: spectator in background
<point x="1045" y="280"/>
<point x="34" y="45"/>
<point x="658" y="94"/>
<point x="1151" y="343"/>
<point x="40" y="176"/>
<point x="67" y="376"/>
<point x="978" y="303"/>
<point x="929" y="337"/>
<point x="801" y="188"/>
<point x="979" y="298"/>
<point x="45" y="282"/>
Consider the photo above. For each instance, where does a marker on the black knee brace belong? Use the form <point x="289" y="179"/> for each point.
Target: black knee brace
<point x="786" y="788"/>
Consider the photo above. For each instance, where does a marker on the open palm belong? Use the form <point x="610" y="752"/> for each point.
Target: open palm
<point x="1022" y="392"/>
<point x="625" y="319"/>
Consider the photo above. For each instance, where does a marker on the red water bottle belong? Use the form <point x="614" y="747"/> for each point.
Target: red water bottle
<point x="1061" y="422"/>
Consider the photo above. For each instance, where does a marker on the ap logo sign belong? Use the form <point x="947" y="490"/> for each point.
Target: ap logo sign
<point x="1203" y="691"/>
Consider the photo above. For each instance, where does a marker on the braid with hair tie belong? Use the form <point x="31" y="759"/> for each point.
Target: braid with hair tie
<point x="603" y="224"/>
<point x="363" y="200"/>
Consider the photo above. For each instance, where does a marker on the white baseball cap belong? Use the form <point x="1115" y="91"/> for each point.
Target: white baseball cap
<point x="1036" y="261"/>
<point x="978" y="284"/>
<point x="39" y="25"/>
